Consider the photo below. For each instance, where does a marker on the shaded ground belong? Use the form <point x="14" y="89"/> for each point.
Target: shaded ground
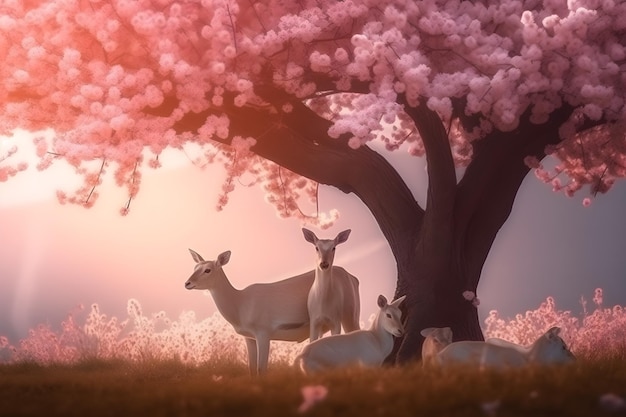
<point x="171" y="389"/>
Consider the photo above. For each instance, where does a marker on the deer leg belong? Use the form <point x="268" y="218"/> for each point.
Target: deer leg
<point x="251" y="345"/>
<point x="263" y="353"/>
<point x="314" y="333"/>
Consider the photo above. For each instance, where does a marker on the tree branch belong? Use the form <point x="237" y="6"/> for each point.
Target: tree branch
<point x="437" y="229"/>
<point x="488" y="189"/>
<point x="299" y="141"/>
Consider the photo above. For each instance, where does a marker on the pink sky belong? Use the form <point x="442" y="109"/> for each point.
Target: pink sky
<point x="55" y="257"/>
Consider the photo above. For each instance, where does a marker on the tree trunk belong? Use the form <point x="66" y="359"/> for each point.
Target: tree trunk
<point x="451" y="251"/>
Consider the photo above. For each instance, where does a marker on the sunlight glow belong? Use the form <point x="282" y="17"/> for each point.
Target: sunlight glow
<point x="27" y="277"/>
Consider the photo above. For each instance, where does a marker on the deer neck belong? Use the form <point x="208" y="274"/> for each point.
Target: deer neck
<point x="323" y="280"/>
<point x="227" y="299"/>
<point x="324" y="276"/>
<point x="535" y="350"/>
<point x="383" y="336"/>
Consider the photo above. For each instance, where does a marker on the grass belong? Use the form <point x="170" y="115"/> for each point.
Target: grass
<point x="162" y="388"/>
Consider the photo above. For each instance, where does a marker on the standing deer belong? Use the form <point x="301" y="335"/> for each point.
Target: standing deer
<point x="363" y="347"/>
<point x="259" y="312"/>
<point x="333" y="300"/>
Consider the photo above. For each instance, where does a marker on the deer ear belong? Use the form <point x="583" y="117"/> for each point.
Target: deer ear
<point x="309" y="236"/>
<point x="342" y="236"/>
<point x="223" y="258"/>
<point x="382" y="301"/>
<point x="426" y="332"/>
<point x="399" y="301"/>
<point x="196" y="256"/>
<point x="553" y="332"/>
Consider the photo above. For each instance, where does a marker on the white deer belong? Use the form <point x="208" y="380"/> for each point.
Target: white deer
<point x="436" y="338"/>
<point x="333" y="300"/>
<point x="259" y="312"/>
<point x="547" y="349"/>
<point x="363" y="347"/>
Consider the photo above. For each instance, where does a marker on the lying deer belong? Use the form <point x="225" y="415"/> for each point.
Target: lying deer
<point x="436" y="338"/>
<point x="259" y="312"/>
<point x="364" y="347"/>
<point x="547" y="349"/>
<point x="333" y="300"/>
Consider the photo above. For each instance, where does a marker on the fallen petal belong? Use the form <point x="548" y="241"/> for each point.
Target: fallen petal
<point x="312" y="394"/>
<point x="490" y="408"/>
<point x="612" y="402"/>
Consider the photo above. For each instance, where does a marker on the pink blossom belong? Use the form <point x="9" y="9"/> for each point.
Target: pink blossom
<point x="598" y="297"/>
<point x="76" y="64"/>
<point x="469" y="295"/>
<point x="312" y="394"/>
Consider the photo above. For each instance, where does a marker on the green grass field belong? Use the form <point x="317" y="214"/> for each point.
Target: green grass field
<point x="123" y="389"/>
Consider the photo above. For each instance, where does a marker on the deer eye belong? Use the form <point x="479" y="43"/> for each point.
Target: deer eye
<point x="333" y="249"/>
<point x="207" y="271"/>
<point x="389" y="315"/>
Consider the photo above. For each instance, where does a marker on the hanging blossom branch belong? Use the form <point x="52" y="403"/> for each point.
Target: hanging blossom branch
<point x="284" y="188"/>
<point x="95" y="183"/>
<point x="7" y="172"/>
<point x="289" y="201"/>
<point x="133" y="188"/>
<point x="87" y="195"/>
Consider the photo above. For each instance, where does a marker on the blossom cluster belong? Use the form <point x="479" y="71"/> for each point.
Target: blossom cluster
<point x="119" y="80"/>
<point x="599" y="333"/>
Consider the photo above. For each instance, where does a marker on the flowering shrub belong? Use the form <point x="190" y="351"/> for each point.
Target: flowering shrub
<point x="596" y="334"/>
<point x="140" y="337"/>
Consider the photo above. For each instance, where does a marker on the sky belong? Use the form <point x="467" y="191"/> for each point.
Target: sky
<point x="56" y="257"/>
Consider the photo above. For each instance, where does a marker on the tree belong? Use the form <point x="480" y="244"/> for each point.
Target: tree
<point x="293" y="92"/>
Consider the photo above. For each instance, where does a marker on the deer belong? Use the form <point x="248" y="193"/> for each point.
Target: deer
<point x="549" y="348"/>
<point x="360" y="347"/>
<point x="260" y="312"/>
<point x="333" y="300"/>
<point x="436" y="338"/>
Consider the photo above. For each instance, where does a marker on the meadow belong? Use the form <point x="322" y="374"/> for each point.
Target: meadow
<point x="169" y="388"/>
<point x="97" y="365"/>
